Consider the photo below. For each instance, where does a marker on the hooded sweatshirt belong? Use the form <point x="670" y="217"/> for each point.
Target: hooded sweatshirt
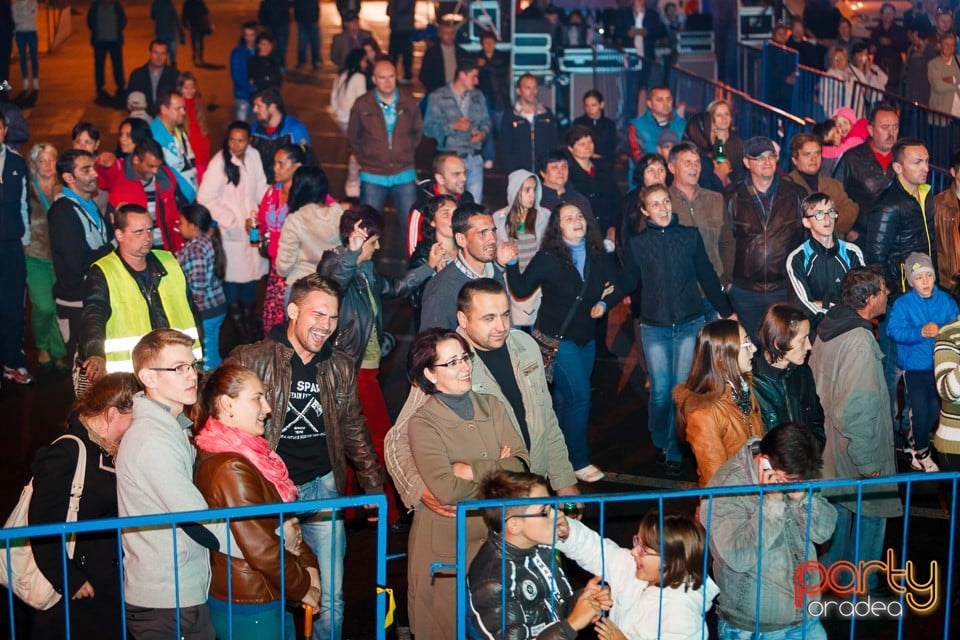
<point x="523" y="312"/>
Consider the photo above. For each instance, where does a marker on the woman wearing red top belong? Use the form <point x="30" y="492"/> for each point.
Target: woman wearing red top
<point x="197" y="131"/>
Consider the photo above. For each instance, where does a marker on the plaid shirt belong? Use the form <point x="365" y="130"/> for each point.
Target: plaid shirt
<point x="197" y="258"/>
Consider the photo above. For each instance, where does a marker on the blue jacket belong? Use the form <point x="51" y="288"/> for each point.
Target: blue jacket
<point x="910" y="312"/>
<point x="242" y="88"/>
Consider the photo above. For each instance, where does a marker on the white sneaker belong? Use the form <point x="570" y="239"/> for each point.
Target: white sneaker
<point x="923" y="461"/>
<point x="589" y="474"/>
<point x="488" y="164"/>
<point x="352" y="189"/>
<point x="36" y="84"/>
<point x="26" y="84"/>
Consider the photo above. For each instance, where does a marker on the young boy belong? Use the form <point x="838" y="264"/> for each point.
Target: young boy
<point x="817" y="266"/>
<point x="539" y="600"/>
<point x="915" y="321"/>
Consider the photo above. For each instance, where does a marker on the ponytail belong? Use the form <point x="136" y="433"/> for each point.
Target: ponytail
<point x="199" y="215"/>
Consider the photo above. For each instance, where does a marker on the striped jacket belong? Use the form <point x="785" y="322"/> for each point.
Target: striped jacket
<point x="946" y="371"/>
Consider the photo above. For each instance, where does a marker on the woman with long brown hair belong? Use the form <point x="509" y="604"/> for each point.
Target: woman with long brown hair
<point x="716" y="409"/>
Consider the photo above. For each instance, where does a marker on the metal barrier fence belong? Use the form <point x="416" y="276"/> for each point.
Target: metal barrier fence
<point x="10" y="538"/>
<point x="943" y="554"/>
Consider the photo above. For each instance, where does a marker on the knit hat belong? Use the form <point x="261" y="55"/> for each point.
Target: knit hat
<point x="916" y="264"/>
<point x="847" y="113"/>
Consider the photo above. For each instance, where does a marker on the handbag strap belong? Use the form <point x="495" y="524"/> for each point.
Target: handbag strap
<point x="576" y="302"/>
<point x="76" y="487"/>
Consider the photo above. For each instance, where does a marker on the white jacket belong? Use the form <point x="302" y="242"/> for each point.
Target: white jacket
<point x="305" y="235"/>
<point x="231" y="206"/>
<point x="636" y="603"/>
<point x="344" y="93"/>
<point x="24" y="15"/>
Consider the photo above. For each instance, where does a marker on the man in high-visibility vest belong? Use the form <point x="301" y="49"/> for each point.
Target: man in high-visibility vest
<point x="130" y="292"/>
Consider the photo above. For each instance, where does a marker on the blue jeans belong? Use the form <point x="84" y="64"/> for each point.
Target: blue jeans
<point x="282" y="34"/>
<point x="891" y="372"/>
<point x="811" y="630"/>
<point x="242" y="292"/>
<point x="669" y="352"/>
<point x="25" y="40"/>
<point x="843" y="545"/>
<point x="474" y="165"/>
<point x="328" y="540"/>
<point x="211" y="341"/>
<point x="172" y="40"/>
<point x="251" y="621"/>
<point x="489" y="152"/>
<point x="403" y="196"/>
<point x="308" y="34"/>
<point x="571" y="397"/>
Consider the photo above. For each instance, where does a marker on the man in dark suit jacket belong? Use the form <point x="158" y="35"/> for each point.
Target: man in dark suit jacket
<point x="434" y="72"/>
<point x="154" y="77"/>
<point x="351" y="38"/>
<point x="625" y="31"/>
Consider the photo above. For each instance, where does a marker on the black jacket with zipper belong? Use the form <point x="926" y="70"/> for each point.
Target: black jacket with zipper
<point x="787" y="395"/>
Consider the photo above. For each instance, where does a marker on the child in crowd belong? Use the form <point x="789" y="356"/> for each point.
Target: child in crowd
<point x="915" y="321"/>
<point x="817" y="266"/>
<point x="659" y="588"/>
<point x="539" y="600"/>
<point x="204" y="265"/>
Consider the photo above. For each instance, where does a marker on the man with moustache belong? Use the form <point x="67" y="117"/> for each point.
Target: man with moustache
<point x="479" y="257"/>
<point x="509" y="366"/>
<point x="316" y="425"/>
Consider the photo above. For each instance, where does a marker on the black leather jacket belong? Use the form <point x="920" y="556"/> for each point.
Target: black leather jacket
<point x="896" y="227"/>
<point x="357" y="283"/>
<point x="527" y="594"/>
<point x="761" y="251"/>
<point x="787" y="395"/>
<point x="863" y="178"/>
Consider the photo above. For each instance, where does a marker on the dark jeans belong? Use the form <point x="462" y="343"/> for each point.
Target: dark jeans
<point x="196" y="44"/>
<point x="401" y="44"/>
<point x="161" y="624"/>
<point x="308" y="34"/>
<point x="751" y="305"/>
<point x="571" y="397"/>
<point x="282" y="34"/>
<point x="100" y="52"/>
<point x="27" y="40"/>
<point x="924" y="404"/>
<point x="13" y="289"/>
<point x="892" y="373"/>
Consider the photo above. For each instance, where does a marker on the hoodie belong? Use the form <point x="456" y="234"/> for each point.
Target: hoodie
<point x="523" y="312"/>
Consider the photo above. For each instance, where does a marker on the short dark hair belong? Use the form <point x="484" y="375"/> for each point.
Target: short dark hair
<point x="250" y="24"/>
<point x="124" y="211"/>
<point x="269" y="96"/>
<point x="859" y="284"/>
<point x="465" y="65"/>
<point x="901" y="145"/>
<point x="503" y="485"/>
<point x="645" y="161"/>
<point x="67" y="161"/>
<point x="577" y="133"/>
<point x="461" y="217"/>
<point x="440" y="159"/>
<point x="155" y="42"/>
<point x="796" y="144"/>
<point x="487" y="34"/>
<point x="148" y="145"/>
<point x="371" y="221"/>
<point x="473" y="287"/>
<point x="423" y="353"/>
<point x="778" y="327"/>
<point x="313" y="282"/>
<point x="526" y="76"/>
<point x="164" y="96"/>
<point x="792" y="448"/>
<point x="554" y="155"/>
<point x="882" y="108"/>
<point x="85" y="127"/>
<point x="812" y="201"/>
<point x="821" y="129"/>
<point x="593" y="93"/>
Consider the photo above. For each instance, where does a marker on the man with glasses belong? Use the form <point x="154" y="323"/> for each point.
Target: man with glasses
<point x="130" y="292"/>
<point x="764" y="213"/>
<point x="817" y="266"/>
<point x="316" y="425"/>
<point x="165" y="578"/>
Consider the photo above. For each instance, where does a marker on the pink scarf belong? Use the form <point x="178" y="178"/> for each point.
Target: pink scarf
<point x="216" y="437"/>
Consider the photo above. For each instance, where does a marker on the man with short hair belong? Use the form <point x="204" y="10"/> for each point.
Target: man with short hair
<point x="316" y="425"/>
<point x="554" y="170"/>
<point x="440" y="60"/>
<point x="141" y="178"/>
<point x="384" y="130"/>
<point x="166" y="578"/>
<point x="946" y="214"/>
<point x="106" y="21"/>
<point x="806" y="154"/>
<point x="764" y="213"/>
<point x="80" y="234"/>
<point x="847" y="367"/>
<point x="241" y="54"/>
<point x="644" y="131"/>
<point x="14" y="236"/>
<point x="748" y="531"/>
<point x="509" y="367"/>
<point x="154" y="77"/>
<point x="348" y="40"/>
<point x="274" y="128"/>
<point x="449" y="178"/>
<point x="169" y="130"/>
<point x="457" y="118"/>
<point x="865" y="170"/>
<point x="479" y="257"/>
<point x="528" y="131"/>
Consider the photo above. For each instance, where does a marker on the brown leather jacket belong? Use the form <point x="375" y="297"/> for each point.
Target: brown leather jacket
<point x="946" y="216"/>
<point x="367" y="134"/>
<point x="229" y="480"/>
<point x="847" y="209"/>
<point x="347" y="433"/>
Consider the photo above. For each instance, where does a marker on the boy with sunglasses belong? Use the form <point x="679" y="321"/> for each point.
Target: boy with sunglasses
<point x="536" y="595"/>
<point x="817" y="266"/>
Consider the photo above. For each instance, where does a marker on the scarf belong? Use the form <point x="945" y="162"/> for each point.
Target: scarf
<point x="216" y="437"/>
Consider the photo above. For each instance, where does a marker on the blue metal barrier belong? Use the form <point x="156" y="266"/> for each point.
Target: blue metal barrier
<point x="749" y="70"/>
<point x="660" y="500"/>
<point x="14" y="537"/>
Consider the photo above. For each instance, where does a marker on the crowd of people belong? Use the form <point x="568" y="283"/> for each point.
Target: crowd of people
<point x="776" y="314"/>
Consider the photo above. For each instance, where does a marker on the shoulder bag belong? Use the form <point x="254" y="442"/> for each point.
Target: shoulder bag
<point x="550" y="345"/>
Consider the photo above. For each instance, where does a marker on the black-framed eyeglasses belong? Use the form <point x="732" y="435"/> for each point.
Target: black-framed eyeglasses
<point x="642" y="548"/>
<point x="543" y="513"/>
<point x="819" y="215"/>
<point x="452" y="364"/>
<point x="180" y="368"/>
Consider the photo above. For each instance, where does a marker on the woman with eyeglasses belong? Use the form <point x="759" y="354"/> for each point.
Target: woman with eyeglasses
<point x="670" y="264"/>
<point x="456" y="437"/>
<point x="782" y="379"/>
<point x="100" y="419"/>
<point x="716" y="408"/>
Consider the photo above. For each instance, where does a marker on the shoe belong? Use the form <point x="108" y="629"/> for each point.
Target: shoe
<point x="26" y="84"/>
<point x="352" y="189"/>
<point x="672" y="467"/>
<point x="923" y="461"/>
<point x="19" y="375"/>
<point x="488" y="164"/>
<point x="589" y="474"/>
<point x="36" y="84"/>
<point x="103" y="99"/>
<point x="662" y="456"/>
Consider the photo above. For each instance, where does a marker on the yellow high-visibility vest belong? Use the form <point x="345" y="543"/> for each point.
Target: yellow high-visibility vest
<point x="130" y="316"/>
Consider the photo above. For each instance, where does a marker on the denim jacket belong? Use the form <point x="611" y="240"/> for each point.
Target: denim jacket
<point x="443" y="109"/>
